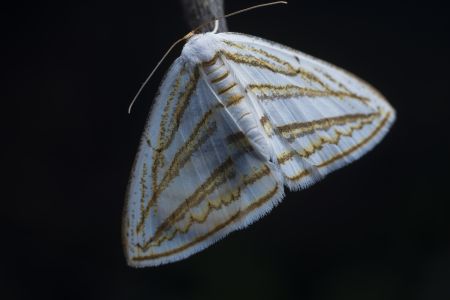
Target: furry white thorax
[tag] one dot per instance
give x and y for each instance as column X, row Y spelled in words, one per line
column 200, row 48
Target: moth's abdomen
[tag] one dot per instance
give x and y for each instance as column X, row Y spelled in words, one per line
column 233, row 97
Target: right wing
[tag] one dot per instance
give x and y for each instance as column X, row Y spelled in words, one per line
column 319, row 117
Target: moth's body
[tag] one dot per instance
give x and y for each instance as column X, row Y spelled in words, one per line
column 203, row 50
column 237, row 118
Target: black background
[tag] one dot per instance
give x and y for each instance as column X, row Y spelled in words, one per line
column 378, row 229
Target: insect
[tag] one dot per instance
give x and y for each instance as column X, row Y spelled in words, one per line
column 236, row 119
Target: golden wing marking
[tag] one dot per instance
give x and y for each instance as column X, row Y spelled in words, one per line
column 346, row 152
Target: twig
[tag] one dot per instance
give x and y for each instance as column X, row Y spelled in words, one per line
column 198, row 12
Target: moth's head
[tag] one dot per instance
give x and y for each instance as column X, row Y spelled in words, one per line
column 200, row 48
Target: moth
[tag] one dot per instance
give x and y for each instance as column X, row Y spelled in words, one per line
column 237, row 118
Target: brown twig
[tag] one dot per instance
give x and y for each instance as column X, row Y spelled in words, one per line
column 198, row 12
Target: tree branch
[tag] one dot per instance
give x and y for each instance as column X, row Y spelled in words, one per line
column 198, row 12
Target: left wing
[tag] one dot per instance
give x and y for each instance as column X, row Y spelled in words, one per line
column 195, row 178
column 318, row 117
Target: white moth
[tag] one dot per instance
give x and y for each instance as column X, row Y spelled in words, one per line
column 236, row 119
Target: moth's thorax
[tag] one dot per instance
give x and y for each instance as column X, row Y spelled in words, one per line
column 200, row 48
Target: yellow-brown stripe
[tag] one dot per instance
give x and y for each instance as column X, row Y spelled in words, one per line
column 214, row 204
column 299, row 129
column 239, row 214
column 272, row 92
column 226, row 89
column 211, row 62
column 305, row 152
column 285, row 156
column 184, row 99
column 143, row 185
column 173, row 93
column 221, row 77
column 352, row 149
column 266, row 125
column 239, row 139
column 257, row 62
column 180, row 158
column 234, row 100
column 286, row 68
column 217, row 177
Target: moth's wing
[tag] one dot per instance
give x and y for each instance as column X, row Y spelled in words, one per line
column 193, row 182
column 319, row 117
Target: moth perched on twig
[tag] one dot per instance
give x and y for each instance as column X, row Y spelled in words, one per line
column 236, row 119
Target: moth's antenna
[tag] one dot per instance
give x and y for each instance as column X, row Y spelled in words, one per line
column 190, row 34
column 238, row 12
column 187, row 36
column 253, row 7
